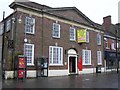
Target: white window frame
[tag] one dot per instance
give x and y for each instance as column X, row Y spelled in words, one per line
column 27, row 54
column 98, row 39
column 1, row 28
column 113, row 45
column 55, row 56
column 88, row 57
column 87, row 37
column 106, row 43
column 72, row 31
column 30, row 25
column 99, row 57
column 8, row 25
column 54, row 35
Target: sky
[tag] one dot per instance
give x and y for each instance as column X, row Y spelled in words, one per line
column 93, row 9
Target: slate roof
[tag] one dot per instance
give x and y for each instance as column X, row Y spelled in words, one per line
column 60, row 12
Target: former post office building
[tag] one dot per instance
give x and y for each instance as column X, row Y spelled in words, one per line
column 71, row 41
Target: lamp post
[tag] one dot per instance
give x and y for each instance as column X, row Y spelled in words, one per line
column 3, row 40
column 116, row 32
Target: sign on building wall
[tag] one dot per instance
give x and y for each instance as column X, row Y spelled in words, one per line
column 81, row 35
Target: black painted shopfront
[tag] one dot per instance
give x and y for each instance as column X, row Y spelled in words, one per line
column 112, row 59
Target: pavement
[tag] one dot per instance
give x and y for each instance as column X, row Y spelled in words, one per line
column 100, row 80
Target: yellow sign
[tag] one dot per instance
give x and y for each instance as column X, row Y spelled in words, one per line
column 81, row 35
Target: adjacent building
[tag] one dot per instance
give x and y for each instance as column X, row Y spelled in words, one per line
column 111, row 44
column 72, row 42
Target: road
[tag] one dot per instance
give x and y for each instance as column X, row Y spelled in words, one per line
column 101, row 80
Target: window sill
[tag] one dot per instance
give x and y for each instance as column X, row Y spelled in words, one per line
column 56, row 65
column 29, row 65
column 30, row 33
column 87, row 64
column 56, row 37
column 107, row 48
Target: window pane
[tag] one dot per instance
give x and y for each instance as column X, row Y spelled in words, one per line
column 30, row 25
column 86, row 55
column 72, row 34
column 29, row 49
column 56, row 30
column 55, row 55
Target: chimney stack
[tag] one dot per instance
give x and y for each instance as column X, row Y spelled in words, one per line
column 107, row 22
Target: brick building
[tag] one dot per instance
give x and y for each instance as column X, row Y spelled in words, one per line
column 111, row 37
column 63, row 35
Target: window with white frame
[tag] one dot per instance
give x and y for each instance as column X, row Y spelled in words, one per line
column 8, row 25
column 29, row 53
column 55, row 55
column 56, row 30
column 72, row 34
column 87, row 36
column 113, row 45
column 106, row 43
column 99, row 57
column 98, row 39
column 1, row 28
column 86, row 56
column 30, row 25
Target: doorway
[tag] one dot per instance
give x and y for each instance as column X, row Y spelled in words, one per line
column 72, row 65
column 72, row 62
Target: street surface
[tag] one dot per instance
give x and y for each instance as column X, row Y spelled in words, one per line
column 100, row 80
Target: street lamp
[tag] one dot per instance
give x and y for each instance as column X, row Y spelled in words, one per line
column 116, row 31
column 3, row 40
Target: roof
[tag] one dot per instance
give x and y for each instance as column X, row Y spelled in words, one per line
column 63, row 12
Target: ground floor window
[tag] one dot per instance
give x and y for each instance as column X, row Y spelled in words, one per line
column 55, row 55
column 99, row 57
column 86, row 55
column 29, row 53
column 111, row 64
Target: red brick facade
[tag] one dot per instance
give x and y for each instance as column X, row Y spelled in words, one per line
column 42, row 38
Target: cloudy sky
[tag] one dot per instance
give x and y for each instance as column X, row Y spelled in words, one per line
column 94, row 9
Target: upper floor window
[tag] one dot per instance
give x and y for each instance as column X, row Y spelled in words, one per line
column 98, row 39
column 29, row 52
column 72, row 34
column 106, row 43
column 87, row 36
column 1, row 28
column 86, row 55
column 8, row 25
column 56, row 30
column 113, row 45
column 30, row 25
column 55, row 55
column 99, row 57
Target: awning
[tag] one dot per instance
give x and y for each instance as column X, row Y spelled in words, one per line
column 109, row 55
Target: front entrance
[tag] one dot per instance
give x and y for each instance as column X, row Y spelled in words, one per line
column 72, row 65
column 72, row 62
